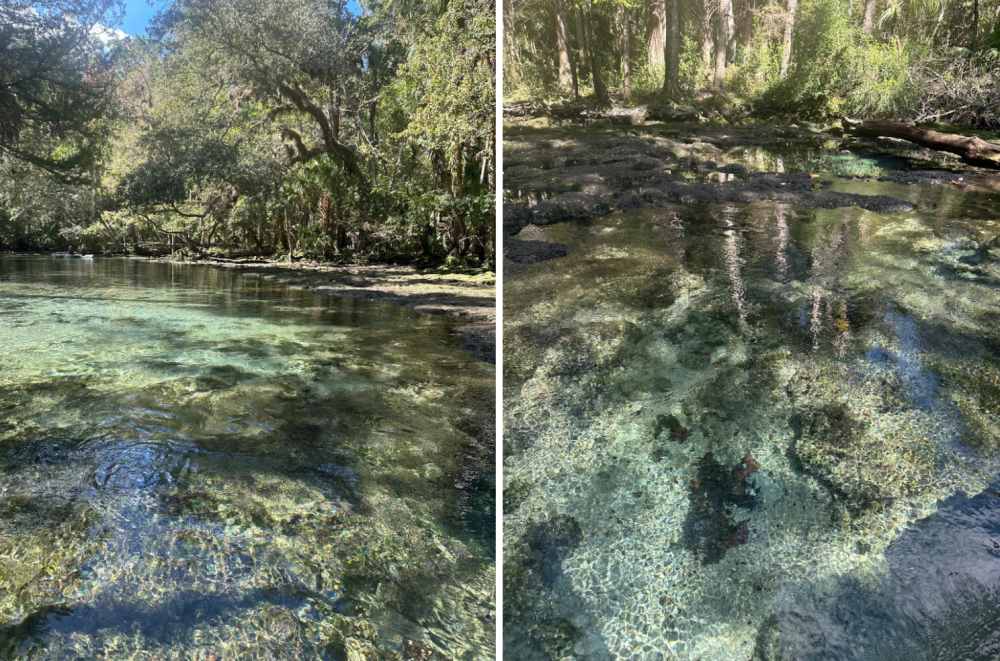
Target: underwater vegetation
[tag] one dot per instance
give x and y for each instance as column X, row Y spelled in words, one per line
column 748, row 408
column 202, row 466
column 710, row 529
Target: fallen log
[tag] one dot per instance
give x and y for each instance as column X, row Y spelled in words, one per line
column 971, row 149
column 676, row 114
column 626, row 116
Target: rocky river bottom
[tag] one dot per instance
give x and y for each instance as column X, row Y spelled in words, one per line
column 752, row 395
column 200, row 465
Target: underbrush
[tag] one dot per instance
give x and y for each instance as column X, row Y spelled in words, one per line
column 835, row 70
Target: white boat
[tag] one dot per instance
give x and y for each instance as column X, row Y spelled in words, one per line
column 66, row 255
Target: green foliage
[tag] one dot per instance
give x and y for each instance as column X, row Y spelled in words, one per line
column 289, row 127
column 450, row 77
column 924, row 60
column 836, row 70
column 54, row 82
column 692, row 74
column 758, row 67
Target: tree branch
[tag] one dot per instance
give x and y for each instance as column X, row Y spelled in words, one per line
column 305, row 103
column 297, row 151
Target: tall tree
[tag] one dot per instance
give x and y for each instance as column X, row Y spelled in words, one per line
column 786, row 42
column 600, row 91
column 562, row 45
column 656, row 33
column 624, row 31
column 671, row 80
column 295, row 50
column 583, row 59
column 722, row 42
column 55, row 81
column 975, row 24
column 705, row 35
column 869, row 22
column 731, row 35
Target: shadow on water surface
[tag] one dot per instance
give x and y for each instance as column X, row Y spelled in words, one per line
column 937, row 601
column 165, row 622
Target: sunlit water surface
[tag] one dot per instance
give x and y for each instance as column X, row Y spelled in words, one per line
column 854, row 355
column 197, row 464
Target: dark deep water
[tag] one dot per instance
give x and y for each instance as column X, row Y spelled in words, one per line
column 749, row 413
column 194, row 461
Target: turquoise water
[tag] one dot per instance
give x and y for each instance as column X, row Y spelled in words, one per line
column 199, row 464
column 757, row 431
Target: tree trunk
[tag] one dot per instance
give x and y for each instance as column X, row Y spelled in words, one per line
column 576, row 81
column 562, row 46
column 656, row 34
column 325, row 217
column 288, row 232
column 972, row 150
column 583, row 59
column 626, row 68
column 511, row 43
column 672, row 55
column 600, row 91
column 869, row 24
column 341, row 237
column 975, row 24
column 744, row 26
column 279, row 239
column 335, row 116
column 304, row 102
column 786, row 42
column 722, row 41
column 458, row 180
column 731, row 35
column 940, row 18
column 705, row 35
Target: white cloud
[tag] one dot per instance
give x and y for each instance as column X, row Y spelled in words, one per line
column 107, row 35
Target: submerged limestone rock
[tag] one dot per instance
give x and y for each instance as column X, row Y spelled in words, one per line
column 547, row 543
column 533, row 573
column 710, row 528
column 826, row 444
column 530, row 252
column 670, row 423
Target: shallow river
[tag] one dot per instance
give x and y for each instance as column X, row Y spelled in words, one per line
column 749, row 429
column 197, row 464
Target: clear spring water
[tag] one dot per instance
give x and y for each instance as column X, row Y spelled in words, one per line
column 198, row 464
column 855, row 355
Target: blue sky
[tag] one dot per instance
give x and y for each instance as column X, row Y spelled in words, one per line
column 137, row 15
column 139, row 12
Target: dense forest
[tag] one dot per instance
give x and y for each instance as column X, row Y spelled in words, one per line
column 299, row 128
column 923, row 60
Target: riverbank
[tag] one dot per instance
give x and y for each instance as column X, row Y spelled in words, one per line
column 467, row 295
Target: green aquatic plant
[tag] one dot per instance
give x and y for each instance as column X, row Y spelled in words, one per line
column 191, row 471
column 841, row 347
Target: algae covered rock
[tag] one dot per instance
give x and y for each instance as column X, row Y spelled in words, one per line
column 547, row 544
column 710, row 528
column 828, row 447
column 544, row 617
